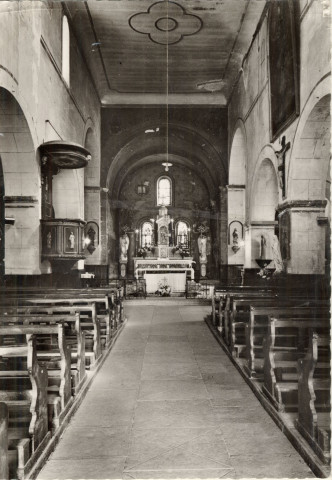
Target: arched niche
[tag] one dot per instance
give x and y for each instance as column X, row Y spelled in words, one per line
column 92, row 170
column 265, row 193
column 236, row 204
column 22, row 184
column 91, row 186
column 263, row 206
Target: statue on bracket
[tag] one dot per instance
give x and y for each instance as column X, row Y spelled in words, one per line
column 202, row 240
column 124, row 245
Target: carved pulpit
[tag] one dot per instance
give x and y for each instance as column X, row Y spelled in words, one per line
column 163, row 221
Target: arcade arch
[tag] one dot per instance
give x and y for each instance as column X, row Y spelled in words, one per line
column 22, row 184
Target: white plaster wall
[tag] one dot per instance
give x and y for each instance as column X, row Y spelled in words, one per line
column 250, row 103
column 32, row 73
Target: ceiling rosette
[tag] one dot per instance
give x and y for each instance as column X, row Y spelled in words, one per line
column 166, row 23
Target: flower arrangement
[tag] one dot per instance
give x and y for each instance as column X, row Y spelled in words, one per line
column 144, row 251
column 182, row 250
column 164, row 290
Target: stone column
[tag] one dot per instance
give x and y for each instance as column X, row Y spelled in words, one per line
column 302, row 236
column 131, row 254
column 223, row 224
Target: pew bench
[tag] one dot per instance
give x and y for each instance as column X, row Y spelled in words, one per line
column 106, row 311
column 257, row 327
column 280, row 365
column 54, row 355
column 24, row 393
column 75, row 338
column 314, row 396
column 90, row 324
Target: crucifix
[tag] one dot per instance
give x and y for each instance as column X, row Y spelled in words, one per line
column 281, row 156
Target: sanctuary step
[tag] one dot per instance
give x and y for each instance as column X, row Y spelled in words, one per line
column 160, row 301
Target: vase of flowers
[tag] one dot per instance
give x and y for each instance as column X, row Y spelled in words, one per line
column 164, row 290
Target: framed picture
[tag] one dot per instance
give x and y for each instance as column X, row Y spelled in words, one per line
column 283, row 64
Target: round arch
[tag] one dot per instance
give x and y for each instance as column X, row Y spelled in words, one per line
column 310, row 155
column 175, row 139
column 21, row 173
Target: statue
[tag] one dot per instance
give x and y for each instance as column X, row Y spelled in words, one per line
column 278, row 263
column 124, row 245
column 71, row 240
column 235, row 236
column 49, row 240
column 202, row 248
column 263, row 247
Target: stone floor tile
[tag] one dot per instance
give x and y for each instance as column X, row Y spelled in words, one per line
column 172, row 389
column 170, row 371
column 180, row 413
column 84, row 468
column 156, row 441
column 203, row 473
column 271, row 466
column 94, row 442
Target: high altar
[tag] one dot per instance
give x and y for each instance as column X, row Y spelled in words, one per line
column 163, row 267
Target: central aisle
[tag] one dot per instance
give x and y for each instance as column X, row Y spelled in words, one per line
column 168, row 403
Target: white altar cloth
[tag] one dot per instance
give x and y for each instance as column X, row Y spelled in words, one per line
column 177, row 281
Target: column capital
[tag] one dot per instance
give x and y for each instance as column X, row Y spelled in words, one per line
column 302, row 205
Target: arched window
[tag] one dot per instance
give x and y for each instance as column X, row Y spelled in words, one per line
column 65, row 50
column 164, row 191
column 146, row 234
column 182, row 230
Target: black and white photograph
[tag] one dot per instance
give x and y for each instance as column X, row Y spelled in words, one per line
column 165, row 239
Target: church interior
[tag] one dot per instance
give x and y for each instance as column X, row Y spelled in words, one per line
column 165, row 239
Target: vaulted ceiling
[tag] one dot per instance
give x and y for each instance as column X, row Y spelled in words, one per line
column 188, row 51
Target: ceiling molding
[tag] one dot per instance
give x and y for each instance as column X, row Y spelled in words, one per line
column 206, row 99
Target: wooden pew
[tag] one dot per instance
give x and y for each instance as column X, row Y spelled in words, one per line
column 236, row 316
column 314, row 396
column 25, row 395
column 105, row 311
column 280, row 365
column 89, row 323
column 57, row 359
column 222, row 304
column 4, row 473
column 257, row 327
column 75, row 338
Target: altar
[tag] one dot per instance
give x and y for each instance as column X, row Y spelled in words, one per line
column 174, row 272
column 163, row 266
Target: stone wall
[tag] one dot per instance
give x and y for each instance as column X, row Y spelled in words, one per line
column 47, row 109
column 250, row 107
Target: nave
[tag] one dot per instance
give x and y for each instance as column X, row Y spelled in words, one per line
column 169, row 403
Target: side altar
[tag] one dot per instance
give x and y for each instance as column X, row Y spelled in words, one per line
column 164, row 268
